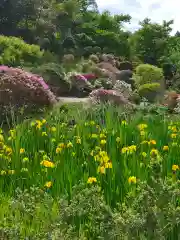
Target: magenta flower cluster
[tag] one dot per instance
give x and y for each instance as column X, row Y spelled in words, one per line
column 19, row 87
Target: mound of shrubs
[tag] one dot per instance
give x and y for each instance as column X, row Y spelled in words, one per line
column 15, row 52
column 20, row 90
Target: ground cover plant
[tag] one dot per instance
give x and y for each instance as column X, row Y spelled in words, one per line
column 80, row 175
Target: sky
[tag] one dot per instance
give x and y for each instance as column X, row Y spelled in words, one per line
column 156, row 10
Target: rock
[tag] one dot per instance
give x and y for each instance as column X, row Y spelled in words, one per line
column 125, row 75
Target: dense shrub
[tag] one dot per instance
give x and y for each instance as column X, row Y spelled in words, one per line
column 87, row 51
column 123, row 88
column 168, row 70
column 113, row 96
column 125, row 66
column 96, row 70
column 55, row 77
column 15, row 52
column 104, row 83
column 149, row 91
column 68, row 58
column 154, row 212
column 96, row 49
column 146, row 73
column 135, row 98
column 79, row 84
column 87, row 65
column 94, row 58
column 20, row 89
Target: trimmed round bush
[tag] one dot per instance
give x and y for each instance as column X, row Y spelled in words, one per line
column 146, row 73
column 149, row 91
column 23, row 90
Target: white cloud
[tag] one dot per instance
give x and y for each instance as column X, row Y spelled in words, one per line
column 156, row 10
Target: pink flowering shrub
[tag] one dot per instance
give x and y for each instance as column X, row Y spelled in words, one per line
column 89, row 76
column 78, row 81
column 103, row 95
column 20, row 89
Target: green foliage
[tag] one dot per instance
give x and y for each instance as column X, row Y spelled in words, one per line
column 168, row 70
column 153, row 211
column 149, row 87
column 54, row 75
column 149, row 90
column 103, row 83
column 97, row 49
column 146, row 73
column 150, row 41
column 15, row 52
column 115, row 43
column 63, row 26
column 125, row 65
column 94, row 58
column 87, row 214
column 172, row 55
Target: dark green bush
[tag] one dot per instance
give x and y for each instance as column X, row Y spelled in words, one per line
column 125, row 66
column 97, row 49
column 87, row 51
column 168, row 70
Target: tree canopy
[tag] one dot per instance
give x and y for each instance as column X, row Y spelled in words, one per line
column 77, row 25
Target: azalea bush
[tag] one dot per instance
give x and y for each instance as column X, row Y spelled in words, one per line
column 22, row 91
column 103, row 96
column 79, row 81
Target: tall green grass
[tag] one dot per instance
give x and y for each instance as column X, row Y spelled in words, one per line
column 76, row 163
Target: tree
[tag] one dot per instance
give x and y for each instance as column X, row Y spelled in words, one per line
column 13, row 12
column 150, row 41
